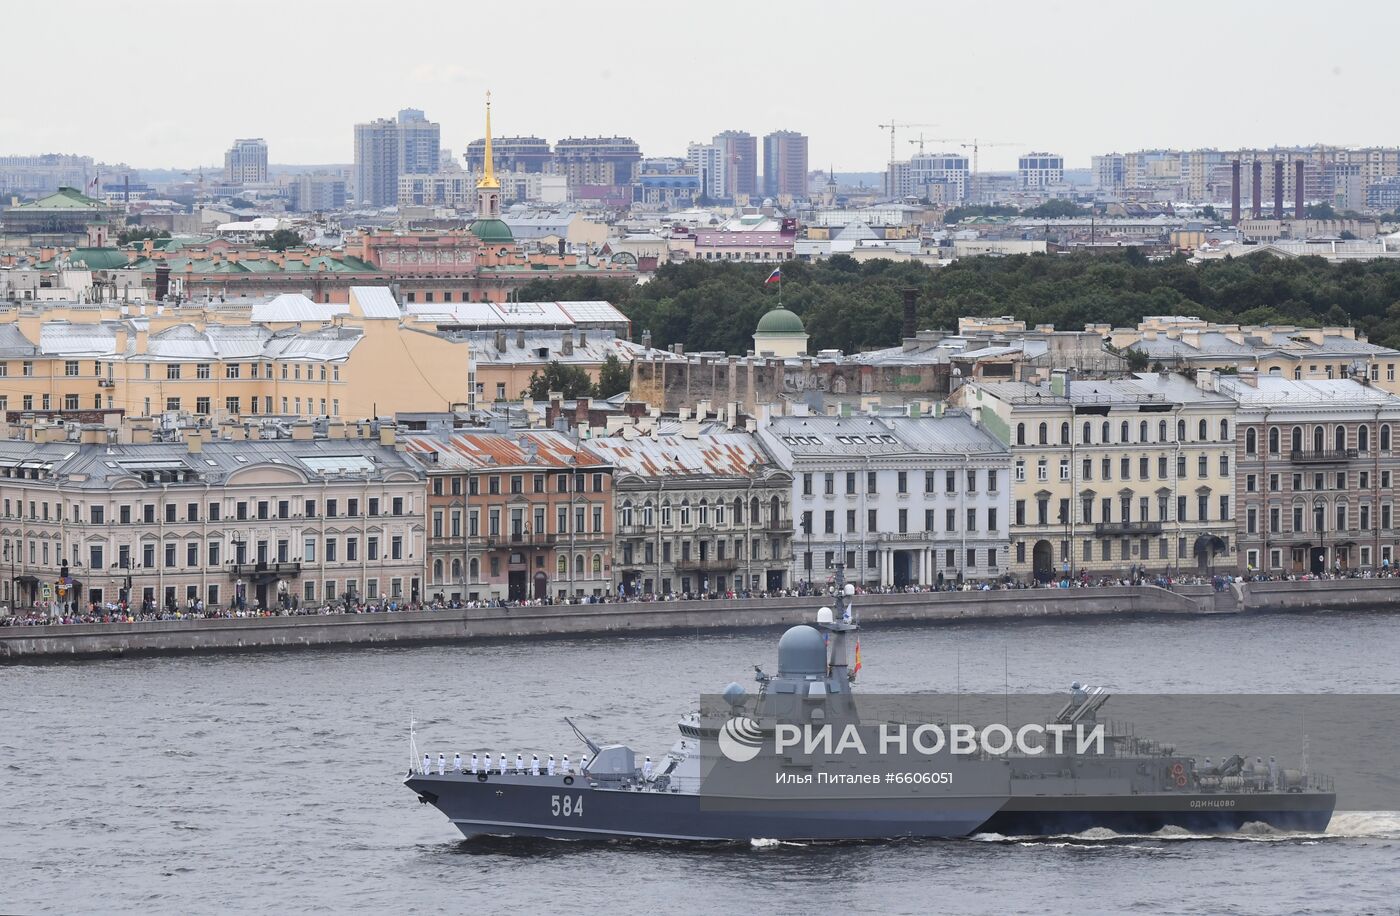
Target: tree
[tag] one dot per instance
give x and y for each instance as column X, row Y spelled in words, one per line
column 139, row 234
column 1209, row 212
column 614, row 377
column 281, row 240
column 1055, row 209
column 571, row 380
column 1320, row 211
column 958, row 214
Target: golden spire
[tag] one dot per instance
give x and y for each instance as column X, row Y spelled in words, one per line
column 488, row 174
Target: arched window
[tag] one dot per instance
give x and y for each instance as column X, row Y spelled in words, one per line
column 474, row 566
column 1107, row 432
column 703, row 513
column 457, row 569
column 1123, row 432
column 1224, row 430
column 738, row 510
column 1297, row 443
column 647, row 514
column 1340, row 438
column 597, row 564
column 627, row 514
column 561, row 566
column 1251, row 441
column 437, row 570
column 1273, row 440
column 1064, row 434
column 685, row 512
column 1363, row 438
column 1161, row 430
column 719, row 512
column 775, row 513
column 754, row 517
column 1202, row 433
column 1088, row 432
column 1180, row 430
column 1142, row 431
column 1020, row 434
column 1385, row 437
column 1319, row 439
column 665, row 515
column 578, row 565
column 1044, row 434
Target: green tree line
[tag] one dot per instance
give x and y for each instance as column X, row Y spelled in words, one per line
column 851, row 306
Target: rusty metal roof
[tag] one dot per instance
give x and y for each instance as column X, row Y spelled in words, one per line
column 725, row 454
column 490, row 450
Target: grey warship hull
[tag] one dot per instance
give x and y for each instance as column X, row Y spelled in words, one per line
column 530, row 806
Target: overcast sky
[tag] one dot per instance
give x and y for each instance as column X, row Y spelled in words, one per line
column 161, row 83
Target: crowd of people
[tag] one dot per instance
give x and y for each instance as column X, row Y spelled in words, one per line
column 121, row 612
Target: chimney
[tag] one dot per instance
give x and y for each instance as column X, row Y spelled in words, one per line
column 567, row 347
column 162, row 281
column 1298, row 183
column 194, row 441
column 646, row 339
column 911, row 327
column 301, row 431
column 583, row 338
column 520, row 338
column 500, row 341
column 1206, row 380
column 386, row 434
column 1235, row 192
column 1257, row 188
column 1278, row 189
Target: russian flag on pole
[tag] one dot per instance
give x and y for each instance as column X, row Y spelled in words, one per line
column 775, row 277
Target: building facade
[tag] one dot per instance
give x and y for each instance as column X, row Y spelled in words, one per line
column 739, row 151
column 1039, row 170
column 1316, row 476
column 699, row 513
column 1110, row 478
column 257, row 517
column 897, row 500
column 515, row 514
column 785, row 165
column 246, row 162
column 386, row 148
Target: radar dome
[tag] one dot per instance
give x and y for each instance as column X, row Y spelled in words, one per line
column 802, row 652
column 824, row 615
column 734, row 695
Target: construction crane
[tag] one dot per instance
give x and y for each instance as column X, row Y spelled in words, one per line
column 892, row 127
column 976, row 146
column 922, row 140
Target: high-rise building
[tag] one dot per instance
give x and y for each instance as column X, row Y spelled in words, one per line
column 785, row 164
column 44, row 174
column 316, row 193
column 384, row 149
column 707, row 161
column 246, row 162
column 598, row 160
column 1108, row 171
column 1037, row 170
column 512, row 154
column 740, row 151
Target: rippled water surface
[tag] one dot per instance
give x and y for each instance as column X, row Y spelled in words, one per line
column 270, row 782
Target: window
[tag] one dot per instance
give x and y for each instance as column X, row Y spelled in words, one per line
column 1042, row 470
column 1044, row 434
column 70, row 367
column 1020, row 429
column 1250, row 441
column 1020, row 470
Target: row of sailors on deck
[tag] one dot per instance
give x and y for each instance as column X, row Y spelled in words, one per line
column 483, row 765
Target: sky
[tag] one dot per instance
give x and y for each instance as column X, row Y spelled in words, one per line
column 170, row 84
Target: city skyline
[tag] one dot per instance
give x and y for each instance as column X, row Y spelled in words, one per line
column 1317, row 71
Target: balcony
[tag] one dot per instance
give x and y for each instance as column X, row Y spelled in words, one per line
column 106, row 383
column 1322, row 456
column 1127, row 529
column 709, row 564
column 266, row 570
column 522, row 539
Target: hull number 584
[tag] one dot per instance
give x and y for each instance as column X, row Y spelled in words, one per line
column 566, row 805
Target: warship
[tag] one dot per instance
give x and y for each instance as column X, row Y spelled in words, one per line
column 1127, row 784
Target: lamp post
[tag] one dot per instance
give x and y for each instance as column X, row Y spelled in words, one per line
column 10, row 559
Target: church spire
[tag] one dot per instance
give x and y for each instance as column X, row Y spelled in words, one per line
column 488, row 174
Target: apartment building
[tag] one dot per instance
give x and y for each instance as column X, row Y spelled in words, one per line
column 1112, row 477
column 515, row 514
column 898, row 500
column 1316, row 474
column 698, row 512
column 257, row 516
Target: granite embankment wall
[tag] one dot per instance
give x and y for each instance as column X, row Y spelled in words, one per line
column 161, row 637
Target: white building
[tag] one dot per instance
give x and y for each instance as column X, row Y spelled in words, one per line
column 1039, row 170
column 899, row 500
column 707, row 161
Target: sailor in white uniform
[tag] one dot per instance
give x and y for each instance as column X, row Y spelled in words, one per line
column 427, row 765
column 646, row 769
column 504, row 764
column 473, row 769
column 583, row 765
column 565, row 764
column 456, row 763
column 519, row 765
column 549, row 765
column 442, row 764
column 534, row 764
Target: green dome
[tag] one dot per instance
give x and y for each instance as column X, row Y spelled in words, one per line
column 492, row 231
column 780, row 323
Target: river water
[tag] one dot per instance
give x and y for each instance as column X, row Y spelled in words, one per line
column 271, row 782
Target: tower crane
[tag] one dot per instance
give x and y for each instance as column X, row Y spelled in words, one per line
column 976, row 146
column 922, row 140
column 892, row 127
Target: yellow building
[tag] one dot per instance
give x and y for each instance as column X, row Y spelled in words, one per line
column 286, row 356
column 1111, row 478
